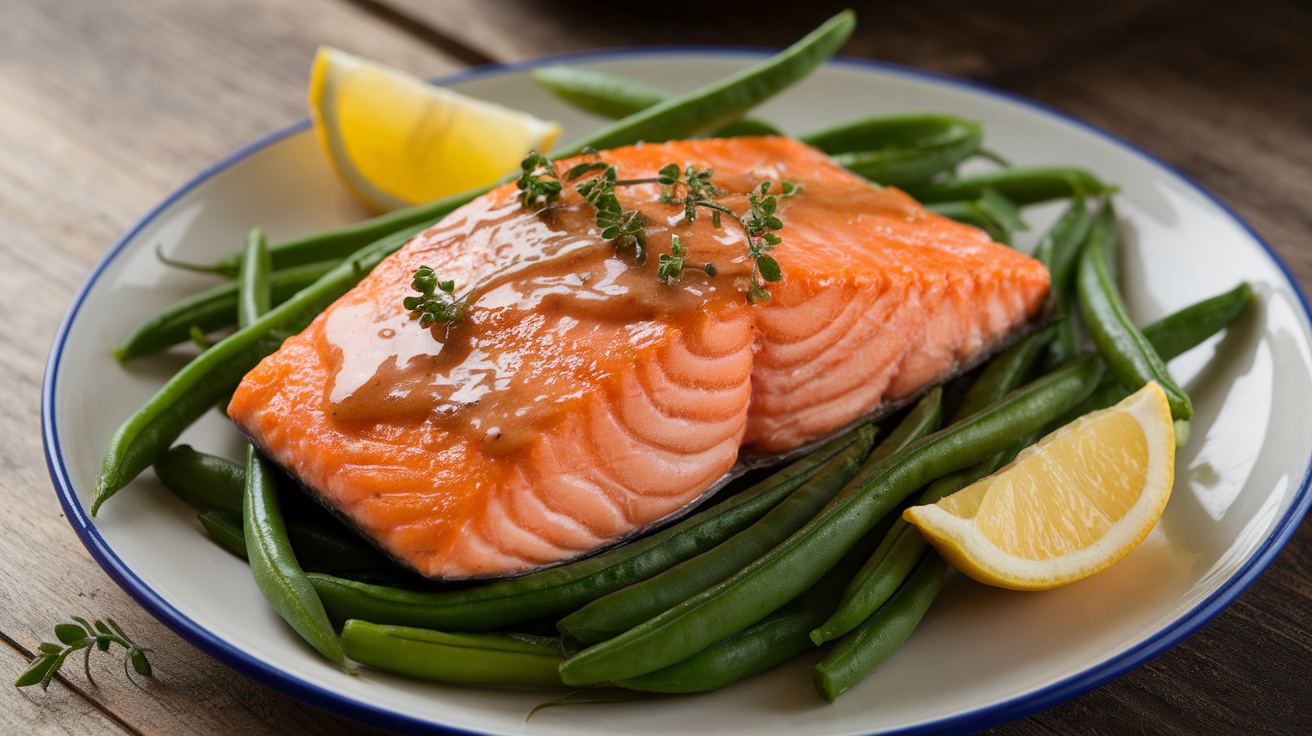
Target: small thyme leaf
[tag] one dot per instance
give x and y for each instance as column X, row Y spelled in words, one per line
column 140, row 664
column 70, row 633
column 436, row 301
column 586, row 167
column 670, row 268
column 35, row 672
column 82, row 635
column 690, row 186
column 538, row 182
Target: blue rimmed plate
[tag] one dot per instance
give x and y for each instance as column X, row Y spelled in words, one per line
column 981, row 656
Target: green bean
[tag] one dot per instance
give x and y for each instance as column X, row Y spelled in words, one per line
column 216, row 486
column 1173, row 335
column 1023, row 185
column 705, row 108
column 273, row 563
column 890, row 564
column 923, row 418
column 620, row 611
column 316, row 548
column 726, row 100
column 745, row 127
column 567, row 587
column 254, row 292
column 208, row 482
column 213, row 374
column 890, row 150
column 225, row 528
column 968, row 213
column 902, row 546
column 1181, row 331
column 213, row 483
column 612, row 96
column 992, row 212
column 858, row 654
column 210, row 310
column 772, row 641
column 345, row 242
column 274, row 566
column 800, row 561
column 898, row 552
column 503, row 660
column 1127, row 352
column 898, row 131
column 1059, row 250
column 1004, row 373
column 608, row 95
column 900, row 151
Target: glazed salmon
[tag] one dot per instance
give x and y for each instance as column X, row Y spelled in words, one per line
column 580, row 399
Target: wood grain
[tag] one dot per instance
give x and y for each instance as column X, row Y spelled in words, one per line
column 981, row 40
column 108, row 106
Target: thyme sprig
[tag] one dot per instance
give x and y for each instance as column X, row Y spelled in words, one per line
column 538, row 182
column 83, row 635
column 625, row 228
column 761, row 224
column 697, row 188
column 689, row 186
column 669, row 268
column 436, row 301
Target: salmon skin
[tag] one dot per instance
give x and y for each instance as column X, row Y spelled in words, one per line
column 580, row 400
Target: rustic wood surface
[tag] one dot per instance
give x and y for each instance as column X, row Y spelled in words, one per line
column 108, row 105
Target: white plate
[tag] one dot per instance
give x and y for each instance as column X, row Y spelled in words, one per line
column 981, row 656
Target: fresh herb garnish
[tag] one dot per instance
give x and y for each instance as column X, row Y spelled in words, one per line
column 697, row 188
column 761, row 223
column 83, row 635
column 436, row 301
column 539, row 185
column 669, row 268
column 625, row 228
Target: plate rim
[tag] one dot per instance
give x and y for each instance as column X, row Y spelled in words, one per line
column 1021, row 705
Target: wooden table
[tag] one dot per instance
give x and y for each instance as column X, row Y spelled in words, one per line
column 108, row 105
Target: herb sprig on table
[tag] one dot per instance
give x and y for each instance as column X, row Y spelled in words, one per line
column 83, row 635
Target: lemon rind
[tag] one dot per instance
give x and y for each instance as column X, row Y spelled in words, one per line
column 963, row 545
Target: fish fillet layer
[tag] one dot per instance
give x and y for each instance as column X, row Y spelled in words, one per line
column 580, row 399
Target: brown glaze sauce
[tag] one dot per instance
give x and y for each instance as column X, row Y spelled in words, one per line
column 553, row 294
column 550, row 298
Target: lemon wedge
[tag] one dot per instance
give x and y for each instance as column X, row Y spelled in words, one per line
column 1066, row 508
column 398, row 140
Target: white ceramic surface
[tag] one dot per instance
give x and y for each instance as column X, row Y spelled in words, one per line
column 981, row 656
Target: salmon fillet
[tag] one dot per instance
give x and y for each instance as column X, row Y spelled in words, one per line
column 581, row 400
